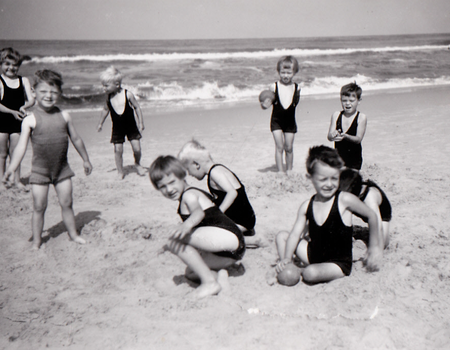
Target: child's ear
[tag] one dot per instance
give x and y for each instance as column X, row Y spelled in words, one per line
column 308, row 176
column 197, row 165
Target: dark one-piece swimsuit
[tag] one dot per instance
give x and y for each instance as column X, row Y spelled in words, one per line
column 284, row 119
column 332, row 241
column 215, row 218
column 350, row 152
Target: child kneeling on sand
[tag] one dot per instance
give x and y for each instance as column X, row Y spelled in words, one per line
column 322, row 234
column 207, row 240
column 373, row 196
column 49, row 129
column 226, row 188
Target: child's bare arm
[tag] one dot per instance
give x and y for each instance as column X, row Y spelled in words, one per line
column 103, row 115
column 78, row 143
column 27, row 126
column 137, row 110
column 360, row 131
column 220, row 178
column 190, row 199
column 296, row 234
column 375, row 250
column 333, row 134
column 29, row 96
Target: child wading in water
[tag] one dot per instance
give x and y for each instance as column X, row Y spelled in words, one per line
column 373, row 196
column 126, row 116
column 282, row 123
column 15, row 98
column 347, row 127
column 49, row 129
column 207, row 241
column 226, row 188
column 322, row 234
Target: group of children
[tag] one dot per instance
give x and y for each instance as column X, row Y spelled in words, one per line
column 216, row 227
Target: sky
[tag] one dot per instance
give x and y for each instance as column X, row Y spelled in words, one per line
column 213, row 19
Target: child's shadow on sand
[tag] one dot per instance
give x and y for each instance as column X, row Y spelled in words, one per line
column 234, row 270
column 129, row 169
column 272, row 169
column 81, row 219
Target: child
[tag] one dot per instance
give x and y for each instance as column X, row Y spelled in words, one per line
column 49, row 129
column 372, row 195
column 226, row 188
column 347, row 128
column 327, row 217
column 283, row 124
column 15, row 98
column 126, row 119
column 207, row 239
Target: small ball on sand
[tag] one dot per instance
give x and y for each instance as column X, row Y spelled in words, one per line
column 290, row 276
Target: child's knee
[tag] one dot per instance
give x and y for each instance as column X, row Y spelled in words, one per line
column 39, row 207
column 281, row 237
column 310, row 274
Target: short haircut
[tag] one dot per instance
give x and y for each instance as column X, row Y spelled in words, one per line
column 164, row 166
column 325, row 155
column 348, row 89
column 8, row 53
column 350, row 181
column 193, row 151
column 287, row 62
column 111, row 75
column 48, row 76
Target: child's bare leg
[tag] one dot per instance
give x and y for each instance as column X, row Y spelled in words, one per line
column 323, row 272
column 64, row 192
column 385, row 231
column 14, row 139
column 289, row 149
column 136, row 145
column 118, row 157
column 40, row 195
column 4, row 143
column 278, row 137
column 192, row 258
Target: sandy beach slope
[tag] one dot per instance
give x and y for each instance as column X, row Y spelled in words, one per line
column 120, row 292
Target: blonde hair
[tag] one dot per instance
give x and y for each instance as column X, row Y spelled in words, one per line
column 193, row 151
column 111, row 75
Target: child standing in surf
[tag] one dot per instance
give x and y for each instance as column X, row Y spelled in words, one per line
column 282, row 124
column 126, row 116
column 347, row 127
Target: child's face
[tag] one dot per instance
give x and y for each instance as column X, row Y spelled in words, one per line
column 350, row 103
column 171, row 187
column 10, row 68
column 109, row 87
column 46, row 95
column 325, row 180
column 286, row 75
column 195, row 170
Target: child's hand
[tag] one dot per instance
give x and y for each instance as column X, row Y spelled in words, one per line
column 99, row 127
column 141, row 127
column 179, row 232
column 372, row 260
column 282, row 264
column 18, row 115
column 6, row 177
column 23, row 111
column 87, row 167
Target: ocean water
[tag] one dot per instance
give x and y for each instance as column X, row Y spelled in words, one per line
column 166, row 74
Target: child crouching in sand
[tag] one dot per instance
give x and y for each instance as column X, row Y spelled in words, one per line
column 226, row 188
column 49, row 130
column 327, row 220
column 207, row 240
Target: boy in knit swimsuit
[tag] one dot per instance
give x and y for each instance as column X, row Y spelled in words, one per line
column 347, row 127
column 207, row 240
column 225, row 187
column 322, row 234
column 15, row 98
column 126, row 116
column 282, row 123
column 372, row 195
column 49, row 129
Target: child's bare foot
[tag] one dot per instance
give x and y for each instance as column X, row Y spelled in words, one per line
column 271, row 277
column 140, row 170
column 78, row 239
column 21, row 187
column 222, row 278
column 35, row 246
column 255, row 242
column 120, row 175
column 207, row 289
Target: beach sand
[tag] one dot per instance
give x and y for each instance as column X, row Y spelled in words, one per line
column 120, row 291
